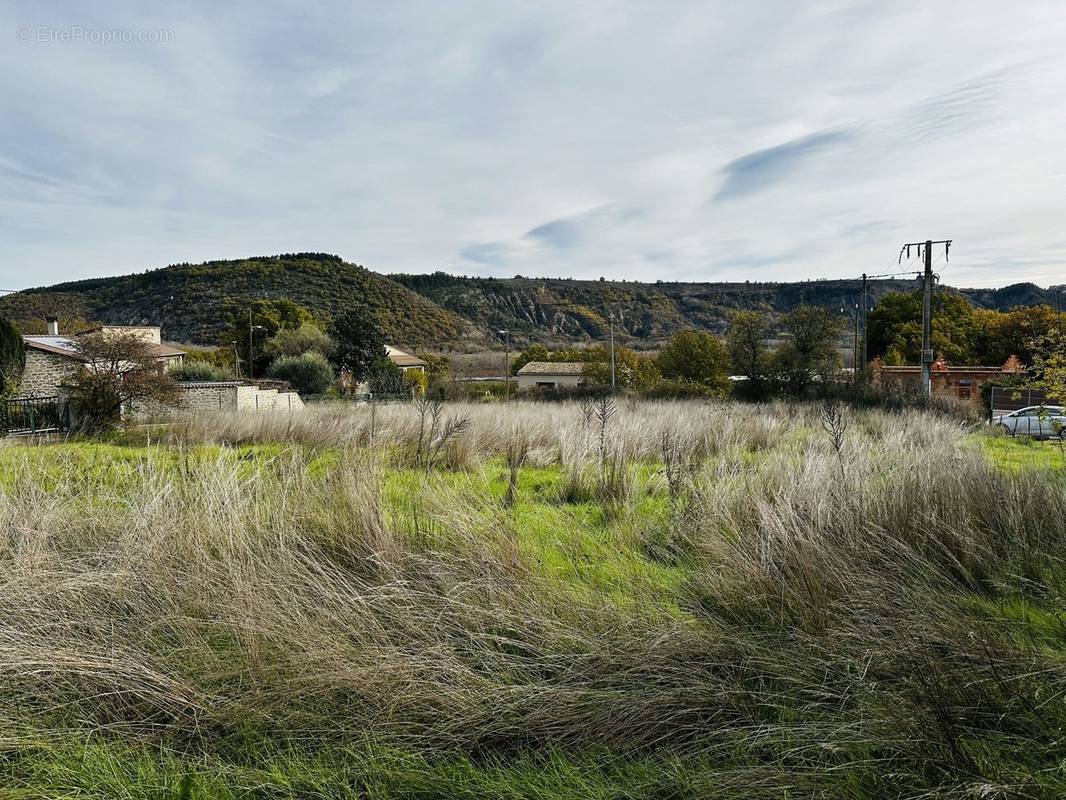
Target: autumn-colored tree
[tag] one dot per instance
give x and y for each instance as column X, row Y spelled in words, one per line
column 1048, row 366
column 632, row 370
column 535, row 352
column 118, row 371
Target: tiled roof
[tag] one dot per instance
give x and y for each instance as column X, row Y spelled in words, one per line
column 166, row 351
column 402, row 359
column 60, row 345
column 63, row 346
column 553, row 368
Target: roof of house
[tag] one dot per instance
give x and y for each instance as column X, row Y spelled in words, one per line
column 65, row 346
column 402, row 359
column 59, row 345
column 553, row 368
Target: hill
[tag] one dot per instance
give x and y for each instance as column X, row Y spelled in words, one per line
column 564, row 310
column 192, row 302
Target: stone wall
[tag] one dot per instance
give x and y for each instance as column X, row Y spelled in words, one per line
column 206, row 397
column 237, row 397
column 44, row 372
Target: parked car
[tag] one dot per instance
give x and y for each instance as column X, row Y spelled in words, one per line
column 1040, row 422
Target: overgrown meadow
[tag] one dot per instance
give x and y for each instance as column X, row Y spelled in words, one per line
column 614, row 599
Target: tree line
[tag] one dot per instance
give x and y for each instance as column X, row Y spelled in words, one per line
column 798, row 354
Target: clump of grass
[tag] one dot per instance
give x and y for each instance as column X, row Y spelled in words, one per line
column 268, row 610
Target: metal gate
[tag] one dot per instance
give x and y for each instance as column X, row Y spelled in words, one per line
column 29, row 415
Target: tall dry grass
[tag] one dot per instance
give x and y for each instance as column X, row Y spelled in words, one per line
column 862, row 626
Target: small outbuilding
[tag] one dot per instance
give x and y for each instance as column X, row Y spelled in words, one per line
column 405, row 361
column 551, row 374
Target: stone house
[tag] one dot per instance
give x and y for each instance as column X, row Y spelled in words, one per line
column 964, row 382
column 550, row 374
column 52, row 359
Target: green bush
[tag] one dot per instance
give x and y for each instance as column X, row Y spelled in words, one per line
column 12, row 356
column 200, row 371
column 307, row 374
column 307, row 338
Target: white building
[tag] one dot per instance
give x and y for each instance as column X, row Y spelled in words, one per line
column 551, row 374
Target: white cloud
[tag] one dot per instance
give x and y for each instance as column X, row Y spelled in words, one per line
column 694, row 140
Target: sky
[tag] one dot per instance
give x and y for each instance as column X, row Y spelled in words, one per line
column 639, row 140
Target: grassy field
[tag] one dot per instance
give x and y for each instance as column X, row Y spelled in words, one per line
column 637, row 600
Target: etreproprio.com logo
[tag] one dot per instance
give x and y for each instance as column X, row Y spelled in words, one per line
column 77, row 33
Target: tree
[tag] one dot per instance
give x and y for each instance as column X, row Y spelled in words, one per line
column 119, row 370
column 308, row 338
column 809, row 356
column 12, row 356
column 748, row 354
column 695, row 357
column 895, row 328
column 997, row 336
column 358, row 341
column 385, row 378
column 309, row 373
column 1049, row 364
column 535, row 352
column 632, row 371
column 438, row 370
column 267, row 318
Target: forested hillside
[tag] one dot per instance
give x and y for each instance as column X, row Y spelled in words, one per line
column 193, row 303
column 196, row 303
column 562, row 310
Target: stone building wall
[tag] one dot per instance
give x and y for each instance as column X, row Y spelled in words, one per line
column 44, row 372
column 237, row 397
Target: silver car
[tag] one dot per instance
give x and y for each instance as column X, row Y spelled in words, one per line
column 1040, row 422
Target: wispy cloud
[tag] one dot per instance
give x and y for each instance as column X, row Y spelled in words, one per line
column 561, row 234
column 761, row 169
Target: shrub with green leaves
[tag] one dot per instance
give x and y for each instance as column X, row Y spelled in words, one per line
column 309, row 373
column 200, row 371
column 308, row 338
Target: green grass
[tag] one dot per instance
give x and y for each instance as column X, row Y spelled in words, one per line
column 760, row 688
column 1020, row 453
column 578, row 547
column 113, row 465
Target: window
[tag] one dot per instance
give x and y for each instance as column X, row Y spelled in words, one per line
column 964, row 389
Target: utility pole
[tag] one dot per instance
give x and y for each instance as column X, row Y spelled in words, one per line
column 865, row 305
column 927, row 320
column 926, row 248
column 610, row 316
column 506, row 364
column 855, row 347
column 251, row 369
column 251, row 358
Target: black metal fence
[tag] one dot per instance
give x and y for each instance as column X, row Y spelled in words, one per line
column 1011, row 398
column 34, row 415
